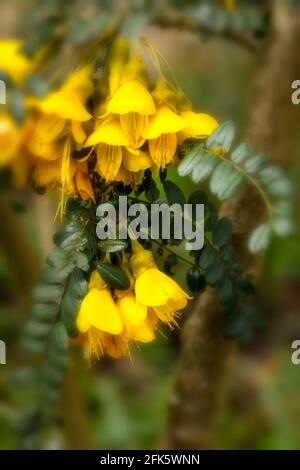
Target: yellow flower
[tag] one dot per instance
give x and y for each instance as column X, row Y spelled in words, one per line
column 68, row 102
column 162, row 135
column 113, row 150
column 132, row 101
column 110, row 140
column 48, row 174
column 82, row 182
column 63, row 111
column 12, row 61
column 10, row 136
column 199, row 126
column 155, row 289
column 138, row 325
column 98, row 316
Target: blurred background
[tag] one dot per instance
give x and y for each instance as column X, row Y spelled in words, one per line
column 114, row 404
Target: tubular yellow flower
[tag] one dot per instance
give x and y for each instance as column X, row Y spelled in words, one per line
column 137, row 325
column 136, row 160
column 132, row 101
column 113, row 150
column 199, row 126
column 110, row 140
column 62, row 113
column 161, row 133
column 98, row 315
column 48, row 174
column 82, row 182
column 12, row 61
column 155, row 289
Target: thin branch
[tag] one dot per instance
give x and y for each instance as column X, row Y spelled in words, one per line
column 247, row 41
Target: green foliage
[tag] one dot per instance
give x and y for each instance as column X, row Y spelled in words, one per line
column 229, row 170
column 112, row 246
column 114, row 276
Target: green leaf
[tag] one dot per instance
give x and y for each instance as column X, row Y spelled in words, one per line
column 27, row 376
column 260, row 238
column 81, row 261
column 241, row 154
column 215, row 272
column 33, row 345
column 226, row 290
column 112, row 246
column 59, row 339
column 113, row 276
column 47, row 293
column 205, row 166
column 36, row 329
column 280, row 188
column 170, row 262
column 173, row 193
column 255, row 164
column 222, row 137
column 197, row 197
column 208, row 257
column 51, row 276
column 226, row 181
column 76, row 288
column 282, row 226
column 36, row 86
column 189, row 162
column 44, row 312
column 223, row 232
column 195, row 279
column 17, row 105
column 152, row 192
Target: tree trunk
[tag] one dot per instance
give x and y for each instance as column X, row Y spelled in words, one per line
column 205, row 354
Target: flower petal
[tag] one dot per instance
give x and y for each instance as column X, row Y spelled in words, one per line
column 108, row 132
column 136, row 162
column 99, row 310
column 163, row 122
column 132, row 97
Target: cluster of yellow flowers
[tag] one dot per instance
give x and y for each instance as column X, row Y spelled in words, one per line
column 109, row 320
column 110, row 128
column 116, row 128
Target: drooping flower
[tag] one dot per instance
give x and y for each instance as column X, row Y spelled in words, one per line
column 199, row 126
column 162, row 135
column 131, row 99
column 13, row 61
column 58, row 132
column 154, row 288
column 99, row 318
column 138, row 322
column 47, row 174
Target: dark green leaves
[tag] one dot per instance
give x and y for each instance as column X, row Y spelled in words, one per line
column 114, row 276
column 173, row 193
column 195, row 279
column 74, row 241
column 55, row 364
column 75, row 290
